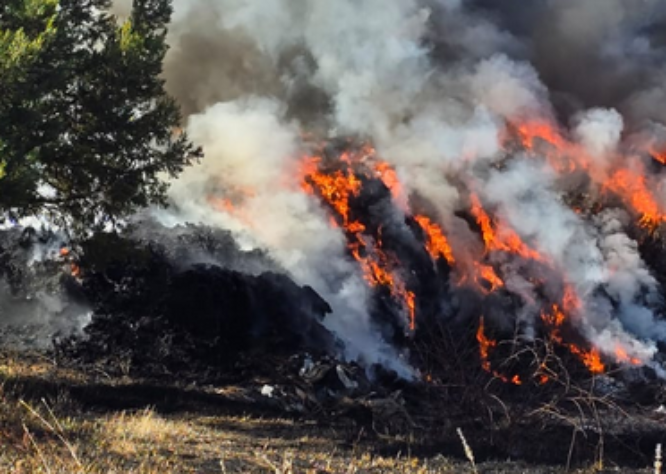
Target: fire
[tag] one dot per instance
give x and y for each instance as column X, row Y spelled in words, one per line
column 410, row 300
column 75, row 270
column 222, row 204
column 338, row 188
column 629, row 183
column 632, row 187
column 488, row 274
column 562, row 155
column 500, row 238
column 485, row 346
column 622, row 356
column 339, row 184
column 529, row 132
column 483, row 276
column 390, row 178
column 437, row 244
column 232, row 201
column 555, row 320
column 659, row 155
column 591, row 358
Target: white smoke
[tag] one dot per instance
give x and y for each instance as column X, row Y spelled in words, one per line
column 599, row 131
column 431, row 85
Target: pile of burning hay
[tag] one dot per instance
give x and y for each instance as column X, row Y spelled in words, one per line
column 187, row 298
column 187, row 303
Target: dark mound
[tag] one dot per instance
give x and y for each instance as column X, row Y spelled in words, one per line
column 166, row 304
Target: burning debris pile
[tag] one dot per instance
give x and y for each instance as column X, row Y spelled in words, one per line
column 415, row 193
column 503, row 278
column 398, row 181
column 417, row 178
column 405, row 178
column 525, row 308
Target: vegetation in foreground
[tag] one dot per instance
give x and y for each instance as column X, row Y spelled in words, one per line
column 56, row 420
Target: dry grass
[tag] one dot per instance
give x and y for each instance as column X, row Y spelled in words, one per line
column 52, row 433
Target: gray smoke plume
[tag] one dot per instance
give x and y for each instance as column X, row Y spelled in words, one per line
column 431, row 84
column 35, row 304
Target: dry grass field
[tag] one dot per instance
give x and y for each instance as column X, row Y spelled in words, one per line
column 55, row 420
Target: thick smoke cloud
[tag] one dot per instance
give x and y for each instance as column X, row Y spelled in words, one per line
column 431, row 83
column 592, row 53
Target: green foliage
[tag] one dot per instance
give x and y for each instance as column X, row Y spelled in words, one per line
column 86, row 129
column 25, row 27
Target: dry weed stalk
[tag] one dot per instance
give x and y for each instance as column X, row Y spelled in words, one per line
column 287, row 466
column 657, row 459
column 468, row 450
column 56, row 428
column 36, row 446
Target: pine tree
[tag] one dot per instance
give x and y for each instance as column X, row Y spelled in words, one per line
column 86, row 128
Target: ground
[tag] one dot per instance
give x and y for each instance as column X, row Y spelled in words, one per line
column 57, row 420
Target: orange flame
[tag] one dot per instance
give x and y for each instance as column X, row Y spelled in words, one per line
column 562, row 155
column 530, row 132
column 75, row 270
column 481, row 277
column 485, row 346
column 659, row 155
column 390, row 179
column 222, row 204
column 437, row 244
column 232, row 202
column 632, row 187
column 630, row 184
column 555, row 320
column 486, row 273
column 622, row 356
column 504, row 239
column 337, row 189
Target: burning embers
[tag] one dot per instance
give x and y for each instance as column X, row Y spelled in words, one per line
column 348, row 183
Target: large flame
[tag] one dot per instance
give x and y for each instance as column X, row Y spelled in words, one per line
column 339, row 182
column 626, row 178
column 631, row 185
column 337, row 188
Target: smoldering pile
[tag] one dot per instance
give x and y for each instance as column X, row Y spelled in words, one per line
column 188, row 301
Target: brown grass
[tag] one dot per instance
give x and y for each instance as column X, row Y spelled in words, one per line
column 49, row 430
